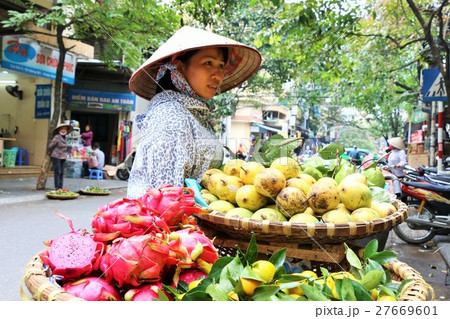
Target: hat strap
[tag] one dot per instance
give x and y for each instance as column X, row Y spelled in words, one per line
column 178, row 80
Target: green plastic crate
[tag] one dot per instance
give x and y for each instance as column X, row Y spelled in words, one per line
column 9, row 158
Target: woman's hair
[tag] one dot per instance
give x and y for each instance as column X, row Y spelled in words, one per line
column 166, row 82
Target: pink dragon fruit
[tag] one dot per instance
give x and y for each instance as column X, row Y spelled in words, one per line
column 135, row 260
column 145, row 293
column 92, row 289
column 193, row 248
column 171, row 203
column 125, row 218
column 188, row 276
column 74, row 254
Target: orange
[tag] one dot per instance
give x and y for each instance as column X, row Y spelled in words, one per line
column 387, row 298
column 233, row 296
column 264, row 269
column 249, row 285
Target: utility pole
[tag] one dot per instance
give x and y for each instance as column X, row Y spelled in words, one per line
column 432, row 159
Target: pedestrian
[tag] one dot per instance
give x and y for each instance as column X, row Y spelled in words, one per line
column 96, row 159
column 355, row 157
column 87, row 136
column 177, row 139
column 57, row 149
column 397, row 157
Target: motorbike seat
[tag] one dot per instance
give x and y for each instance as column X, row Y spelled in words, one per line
column 441, row 179
column 431, row 187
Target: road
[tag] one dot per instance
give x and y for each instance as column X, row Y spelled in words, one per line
column 25, row 226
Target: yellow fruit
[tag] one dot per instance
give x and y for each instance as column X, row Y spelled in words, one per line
column 208, row 174
column 309, row 211
column 179, row 297
column 212, row 182
column 221, row 206
column 291, row 201
column 374, row 293
column 387, row 298
column 354, row 194
column 227, row 187
column 309, row 273
column 240, row 212
column 233, row 167
column 342, row 274
column 299, row 183
column 287, row 165
column 209, row 198
column 383, row 209
column 232, row 296
column 303, row 218
column 247, row 197
column 364, row 214
column 294, row 296
column 341, row 206
column 323, row 197
column 264, row 269
column 357, row 177
column 194, row 284
column 269, row 182
column 266, row 214
column 249, row 171
column 249, row 285
column 336, row 216
column 332, row 285
column 327, row 180
column 308, row 178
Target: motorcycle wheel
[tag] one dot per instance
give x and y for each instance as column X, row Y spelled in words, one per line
column 122, row 174
column 415, row 236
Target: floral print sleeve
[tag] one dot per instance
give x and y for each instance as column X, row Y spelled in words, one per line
column 174, row 145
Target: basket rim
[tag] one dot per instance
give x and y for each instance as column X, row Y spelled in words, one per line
column 42, row 289
column 286, row 230
column 84, row 192
column 55, row 196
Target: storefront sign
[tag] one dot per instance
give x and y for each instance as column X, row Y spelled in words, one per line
column 102, row 100
column 28, row 56
column 43, row 101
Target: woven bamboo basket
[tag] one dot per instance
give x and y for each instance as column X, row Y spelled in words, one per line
column 55, row 196
column 244, row 228
column 42, row 289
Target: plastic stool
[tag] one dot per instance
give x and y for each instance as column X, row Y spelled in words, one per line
column 96, row 174
column 22, row 157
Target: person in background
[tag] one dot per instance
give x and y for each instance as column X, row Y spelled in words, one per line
column 96, row 159
column 355, row 157
column 87, row 136
column 57, row 149
column 177, row 139
column 397, row 157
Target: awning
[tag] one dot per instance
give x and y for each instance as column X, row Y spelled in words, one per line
column 267, row 128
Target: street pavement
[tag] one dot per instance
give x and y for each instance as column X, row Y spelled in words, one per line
column 28, row 219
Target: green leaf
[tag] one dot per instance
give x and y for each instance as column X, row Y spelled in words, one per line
column 264, row 292
column 252, row 251
column 313, row 293
column 257, row 155
column 247, row 272
column 162, row 296
column 217, row 292
column 278, row 258
column 324, row 271
column 352, row 258
column 370, row 249
column 218, row 266
column 384, row 257
column 347, row 292
column 361, row 293
column 372, row 279
column 403, row 284
column 196, row 296
column 332, row 151
column 279, row 272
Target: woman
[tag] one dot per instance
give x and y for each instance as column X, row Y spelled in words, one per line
column 87, row 136
column 57, row 150
column 177, row 140
column 397, row 157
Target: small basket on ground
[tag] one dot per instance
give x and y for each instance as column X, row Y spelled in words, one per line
column 42, row 289
column 87, row 191
column 51, row 195
column 276, row 231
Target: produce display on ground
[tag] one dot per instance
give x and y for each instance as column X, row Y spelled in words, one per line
column 95, row 190
column 62, row 193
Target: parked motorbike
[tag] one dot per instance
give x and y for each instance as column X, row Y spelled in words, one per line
column 428, row 210
column 124, row 168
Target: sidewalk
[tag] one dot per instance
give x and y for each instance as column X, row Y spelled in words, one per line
column 17, row 190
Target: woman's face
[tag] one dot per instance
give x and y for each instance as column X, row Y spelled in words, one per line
column 63, row 130
column 87, row 128
column 204, row 72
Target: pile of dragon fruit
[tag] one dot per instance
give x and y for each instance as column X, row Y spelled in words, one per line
column 136, row 246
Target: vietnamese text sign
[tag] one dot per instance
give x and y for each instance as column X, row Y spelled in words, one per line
column 27, row 56
column 43, row 101
column 102, row 100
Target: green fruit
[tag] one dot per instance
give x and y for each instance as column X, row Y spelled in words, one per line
column 375, row 177
column 241, row 212
column 221, row 206
column 344, row 171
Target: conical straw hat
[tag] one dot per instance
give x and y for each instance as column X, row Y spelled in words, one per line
column 142, row 82
column 69, row 128
column 397, row 142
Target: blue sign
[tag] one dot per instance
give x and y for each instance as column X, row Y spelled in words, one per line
column 433, row 87
column 43, row 102
column 102, row 100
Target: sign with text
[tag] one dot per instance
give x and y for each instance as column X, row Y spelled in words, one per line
column 28, row 56
column 43, row 101
column 102, row 100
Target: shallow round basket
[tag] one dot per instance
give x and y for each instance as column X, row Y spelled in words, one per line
column 244, row 228
column 41, row 289
column 55, row 196
column 85, row 192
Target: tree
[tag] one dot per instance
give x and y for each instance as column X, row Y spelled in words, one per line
column 107, row 21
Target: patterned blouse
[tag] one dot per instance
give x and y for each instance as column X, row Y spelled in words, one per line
column 176, row 143
column 57, row 147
